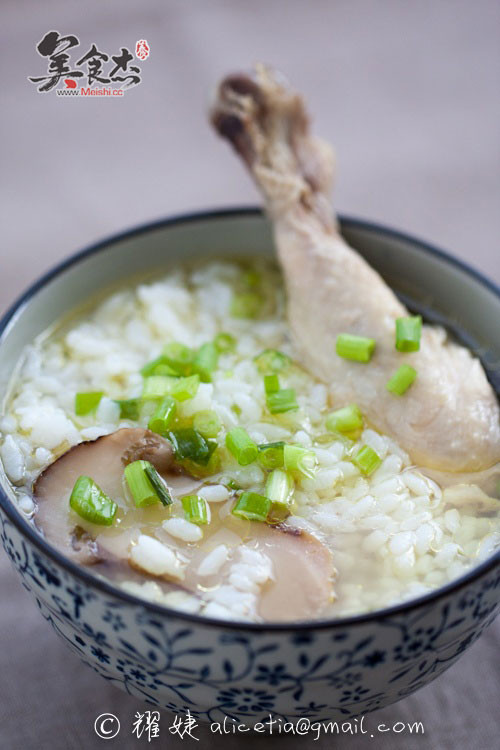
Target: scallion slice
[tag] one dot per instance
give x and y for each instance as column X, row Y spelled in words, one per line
column 129, row 408
column 87, row 402
column 271, row 360
column 91, row 503
column 252, row 507
column 195, row 509
column 179, row 357
column 401, row 380
column 271, row 383
column 163, row 417
column 241, row 445
column 408, row 333
column 367, row 460
column 282, row 401
column 271, row 455
column 157, row 386
column 296, row 458
column 230, row 483
column 190, row 445
column 225, row 342
column 158, row 484
column 207, row 423
column 357, row 348
column 345, row 420
column 278, row 513
column 185, row 388
column 246, row 305
column 158, row 366
column 205, row 361
column 251, row 277
column 279, row 487
column 165, row 370
column 143, row 490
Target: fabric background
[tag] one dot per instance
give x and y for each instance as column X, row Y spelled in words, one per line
column 407, row 92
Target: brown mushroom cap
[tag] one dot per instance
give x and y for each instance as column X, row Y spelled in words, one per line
column 302, row 579
column 302, row 585
column 103, row 460
column 303, row 573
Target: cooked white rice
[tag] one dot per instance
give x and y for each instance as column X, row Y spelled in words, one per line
column 394, row 535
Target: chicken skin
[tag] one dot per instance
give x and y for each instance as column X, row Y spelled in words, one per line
column 449, row 418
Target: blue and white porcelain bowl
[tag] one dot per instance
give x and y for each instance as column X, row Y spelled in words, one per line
column 333, row 669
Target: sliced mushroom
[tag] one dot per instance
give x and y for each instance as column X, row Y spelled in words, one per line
column 148, row 446
column 301, row 584
column 103, row 460
column 303, row 573
column 81, row 541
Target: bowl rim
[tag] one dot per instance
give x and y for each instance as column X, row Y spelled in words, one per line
column 28, row 530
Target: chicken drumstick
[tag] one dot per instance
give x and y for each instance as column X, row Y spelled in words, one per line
column 449, row 419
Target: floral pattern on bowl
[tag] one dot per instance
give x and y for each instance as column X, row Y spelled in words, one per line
column 332, row 670
column 180, row 662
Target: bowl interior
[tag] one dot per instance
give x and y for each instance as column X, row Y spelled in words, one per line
column 429, row 281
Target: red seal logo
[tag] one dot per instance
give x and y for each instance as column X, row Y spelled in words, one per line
column 142, row 49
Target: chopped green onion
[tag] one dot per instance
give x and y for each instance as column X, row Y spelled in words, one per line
column 179, row 357
column 367, row 460
column 207, row 423
column 225, row 342
column 158, row 366
column 91, row 503
column 348, row 419
column 158, row 484
column 241, row 446
column 87, row 402
column 158, row 386
column 185, row 388
column 358, row 348
column 271, row 384
column 129, row 408
column 251, row 277
column 246, row 305
column 401, row 380
column 195, row 509
column 408, row 332
column 232, row 484
column 189, row 444
column 282, row 401
column 139, row 483
column 163, row 416
column 252, row 507
column 278, row 513
column 300, row 459
column 165, row 370
column 205, row 361
column 271, row 455
column 208, row 468
column 271, row 360
column 279, row 487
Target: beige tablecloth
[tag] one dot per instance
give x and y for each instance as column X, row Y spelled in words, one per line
column 408, row 92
